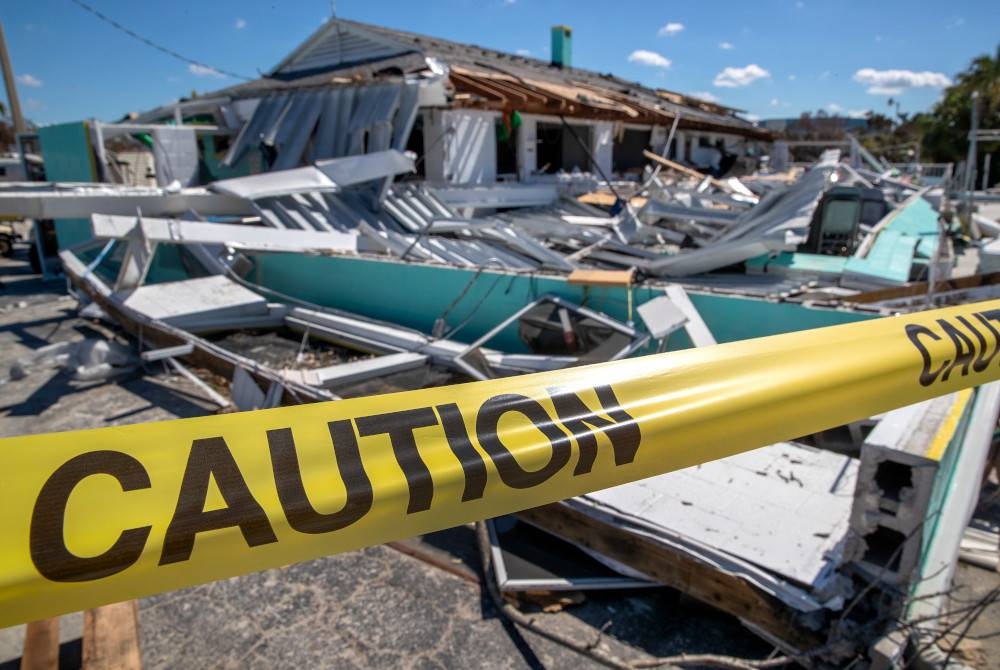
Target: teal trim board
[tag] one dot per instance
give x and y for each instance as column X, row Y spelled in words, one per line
column 919, row 220
column 475, row 300
column 889, row 261
column 67, row 154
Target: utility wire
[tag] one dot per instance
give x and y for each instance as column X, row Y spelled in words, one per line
column 158, row 47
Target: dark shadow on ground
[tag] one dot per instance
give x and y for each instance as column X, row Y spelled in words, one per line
column 70, row 657
column 658, row 621
column 33, row 340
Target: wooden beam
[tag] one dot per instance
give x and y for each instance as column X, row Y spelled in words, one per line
column 41, row 645
column 677, row 570
column 920, row 288
column 677, row 167
column 667, row 163
column 111, row 637
column 603, row 199
column 477, row 87
column 602, row 277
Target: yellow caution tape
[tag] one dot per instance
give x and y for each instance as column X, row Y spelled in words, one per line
column 97, row 516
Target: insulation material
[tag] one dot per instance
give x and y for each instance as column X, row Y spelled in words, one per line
column 175, row 152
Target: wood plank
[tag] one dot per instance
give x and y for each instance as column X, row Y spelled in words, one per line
column 111, row 637
column 667, row 163
column 602, row 277
column 603, row 199
column 41, row 645
column 920, row 288
column 677, row 570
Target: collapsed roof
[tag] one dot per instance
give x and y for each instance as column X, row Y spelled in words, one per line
column 346, row 52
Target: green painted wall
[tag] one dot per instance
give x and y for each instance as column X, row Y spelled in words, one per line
column 415, row 295
column 67, row 154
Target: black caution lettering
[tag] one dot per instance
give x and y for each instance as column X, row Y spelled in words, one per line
column 399, row 426
column 301, row 515
column 210, row 458
column 510, row 471
column 965, row 351
column 982, row 360
column 620, row 428
column 458, row 439
column 914, row 331
column 47, row 542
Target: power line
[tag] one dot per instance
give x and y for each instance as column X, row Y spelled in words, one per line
column 158, row 47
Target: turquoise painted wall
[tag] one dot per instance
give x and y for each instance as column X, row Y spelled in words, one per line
column 212, row 169
column 415, row 295
column 67, row 154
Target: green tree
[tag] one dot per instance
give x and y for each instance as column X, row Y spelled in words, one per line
column 946, row 127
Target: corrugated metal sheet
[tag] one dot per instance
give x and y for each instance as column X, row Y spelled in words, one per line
column 314, row 124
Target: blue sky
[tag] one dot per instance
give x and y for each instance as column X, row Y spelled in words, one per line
column 771, row 58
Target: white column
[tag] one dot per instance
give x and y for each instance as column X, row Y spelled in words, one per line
column 435, row 145
column 527, row 145
column 602, row 147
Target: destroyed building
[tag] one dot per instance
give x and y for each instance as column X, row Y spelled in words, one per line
column 490, row 115
column 314, row 264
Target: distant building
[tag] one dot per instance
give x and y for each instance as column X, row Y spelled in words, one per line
column 815, row 127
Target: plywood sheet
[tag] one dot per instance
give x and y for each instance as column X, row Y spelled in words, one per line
column 782, row 507
column 184, row 303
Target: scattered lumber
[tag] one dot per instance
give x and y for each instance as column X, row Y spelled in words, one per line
column 111, row 637
column 41, row 645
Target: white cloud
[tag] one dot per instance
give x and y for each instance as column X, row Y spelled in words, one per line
column 670, row 29
column 834, row 108
column 240, row 24
column 753, row 118
column 35, row 105
column 204, row 71
column 523, row 52
column 736, row 77
column 725, row 46
column 775, row 102
column 29, row 80
column 705, row 95
column 650, row 58
column 791, row 77
column 894, row 82
column 858, row 113
column 956, row 23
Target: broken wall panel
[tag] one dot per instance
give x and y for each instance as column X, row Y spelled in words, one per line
column 335, row 121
